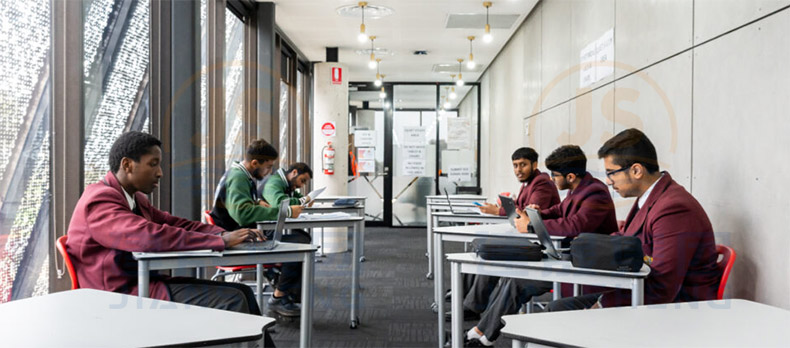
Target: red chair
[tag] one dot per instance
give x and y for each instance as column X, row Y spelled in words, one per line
column 223, row 271
column 61, row 245
column 727, row 259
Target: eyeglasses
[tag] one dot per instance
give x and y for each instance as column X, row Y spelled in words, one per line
column 609, row 174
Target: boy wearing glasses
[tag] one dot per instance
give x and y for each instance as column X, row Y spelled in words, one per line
column 676, row 234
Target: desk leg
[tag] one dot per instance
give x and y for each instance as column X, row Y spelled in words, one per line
column 355, row 264
column 306, row 323
column 362, row 240
column 142, row 278
column 438, row 281
column 576, row 290
column 259, row 286
column 457, row 305
column 557, row 291
column 517, row 344
column 429, row 241
column 637, row 292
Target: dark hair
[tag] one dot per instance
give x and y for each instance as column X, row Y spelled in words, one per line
column 260, row 150
column 628, row 147
column 526, row 153
column 567, row 159
column 132, row 145
column 301, row 168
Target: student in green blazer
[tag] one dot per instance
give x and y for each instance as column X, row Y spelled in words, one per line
column 283, row 184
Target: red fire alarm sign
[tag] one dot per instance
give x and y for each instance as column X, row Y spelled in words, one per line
column 337, row 76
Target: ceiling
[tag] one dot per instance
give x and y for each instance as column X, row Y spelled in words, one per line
column 313, row 25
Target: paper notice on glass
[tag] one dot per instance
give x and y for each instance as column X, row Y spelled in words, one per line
column 364, row 138
column 413, row 135
column 366, row 166
column 366, row 153
column 412, row 167
column 459, row 133
column 414, row 152
column 460, row 173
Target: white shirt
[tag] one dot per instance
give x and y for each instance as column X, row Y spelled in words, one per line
column 129, row 199
column 643, row 197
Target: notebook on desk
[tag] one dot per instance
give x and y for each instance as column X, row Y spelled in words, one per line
column 269, row 244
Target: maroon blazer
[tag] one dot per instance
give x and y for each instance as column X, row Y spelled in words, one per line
column 104, row 232
column 676, row 233
column 539, row 190
column 589, row 208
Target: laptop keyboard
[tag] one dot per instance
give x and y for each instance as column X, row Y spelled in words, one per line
column 264, row 245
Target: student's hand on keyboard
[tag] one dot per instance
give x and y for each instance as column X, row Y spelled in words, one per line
column 489, row 208
column 233, row 238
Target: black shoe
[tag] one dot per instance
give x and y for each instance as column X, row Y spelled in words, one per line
column 468, row 315
column 284, row 306
column 474, row 343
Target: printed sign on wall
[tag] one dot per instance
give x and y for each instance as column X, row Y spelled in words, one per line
column 328, row 129
column 337, row 76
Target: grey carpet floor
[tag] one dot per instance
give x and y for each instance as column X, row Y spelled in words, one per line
column 395, row 297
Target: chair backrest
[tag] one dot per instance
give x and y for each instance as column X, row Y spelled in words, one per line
column 725, row 266
column 61, row 245
column 207, row 216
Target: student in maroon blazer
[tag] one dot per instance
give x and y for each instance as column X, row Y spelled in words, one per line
column 113, row 218
column 536, row 187
column 675, row 232
column 588, row 207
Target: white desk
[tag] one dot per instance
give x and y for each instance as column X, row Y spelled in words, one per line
column 466, row 234
column 354, row 221
column 93, row 318
column 285, row 252
column 547, row 270
column 355, row 210
column 358, row 209
column 456, row 198
column 438, row 217
column 436, row 205
column 719, row 323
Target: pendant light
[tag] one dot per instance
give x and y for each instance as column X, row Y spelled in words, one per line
column 470, row 64
column 378, row 82
column 362, row 37
column 372, row 64
column 487, row 37
column 382, row 94
column 446, row 104
column 460, row 81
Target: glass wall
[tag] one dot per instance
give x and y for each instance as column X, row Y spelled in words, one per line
column 115, row 63
column 458, row 139
column 24, row 148
column 234, row 88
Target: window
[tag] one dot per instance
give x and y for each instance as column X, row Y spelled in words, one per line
column 285, row 115
column 234, row 88
column 24, row 148
column 116, row 56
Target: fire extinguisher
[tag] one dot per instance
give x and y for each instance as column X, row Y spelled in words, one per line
column 328, row 155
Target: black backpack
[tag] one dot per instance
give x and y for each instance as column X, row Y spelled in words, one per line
column 612, row 253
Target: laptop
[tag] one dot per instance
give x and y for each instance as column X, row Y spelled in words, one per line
column 467, row 212
column 510, row 209
column 543, row 235
column 271, row 243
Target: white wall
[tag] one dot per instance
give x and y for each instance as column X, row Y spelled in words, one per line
column 710, row 91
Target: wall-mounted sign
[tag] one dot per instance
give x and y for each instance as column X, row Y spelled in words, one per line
column 364, row 138
column 460, row 173
column 337, row 76
column 328, row 129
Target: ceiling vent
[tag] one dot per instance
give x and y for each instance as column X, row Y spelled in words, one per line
column 379, row 51
column 420, row 53
column 453, row 68
column 478, row 21
column 371, row 11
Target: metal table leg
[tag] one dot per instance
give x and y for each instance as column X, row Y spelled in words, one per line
column 355, row 265
column 457, row 306
column 438, row 282
column 306, row 321
column 142, row 278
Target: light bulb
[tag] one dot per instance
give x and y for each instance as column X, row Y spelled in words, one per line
column 488, row 38
column 377, row 83
column 471, row 64
column 382, row 94
column 459, row 82
column 453, row 95
column 446, row 105
column 362, row 37
column 372, row 64
column 386, row 105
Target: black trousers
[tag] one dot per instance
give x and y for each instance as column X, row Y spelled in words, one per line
column 290, row 280
column 234, row 297
column 507, row 298
column 574, row 303
column 477, row 291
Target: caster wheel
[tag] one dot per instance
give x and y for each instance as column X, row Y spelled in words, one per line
column 362, row 259
column 354, row 324
column 429, row 276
